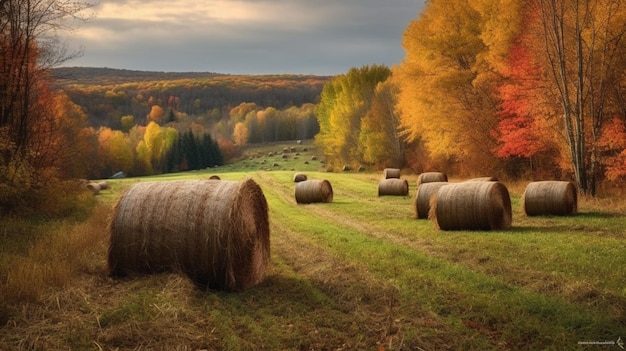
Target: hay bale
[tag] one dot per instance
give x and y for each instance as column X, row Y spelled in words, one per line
column 472, row 206
column 393, row 187
column 104, row 185
column 215, row 177
column 422, row 198
column 346, row 168
column 216, row 232
column 299, row 177
column 310, row 191
column 558, row 198
column 431, row 177
column 94, row 188
column 389, row 173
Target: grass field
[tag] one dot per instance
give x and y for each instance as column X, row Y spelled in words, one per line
column 360, row 273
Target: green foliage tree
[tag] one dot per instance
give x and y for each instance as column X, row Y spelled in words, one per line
column 343, row 103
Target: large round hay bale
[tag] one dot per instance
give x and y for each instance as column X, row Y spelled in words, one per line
column 422, row 198
column 430, row 177
column 389, row 173
column 472, row 206
column 310, row 191
column 216, row 232
column 104, row 185
column 299, row 177
column 393, row 187
column 94, row 188
column 558, row 198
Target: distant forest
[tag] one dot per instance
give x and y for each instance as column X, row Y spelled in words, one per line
column 106, row 95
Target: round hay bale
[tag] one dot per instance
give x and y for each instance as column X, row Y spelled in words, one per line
column 393, row 187
column 389, row 173
column 422, row 198
column 217, row 233
column 558, row 198
column 104, row 185
column 94, row 188
column 346, row 168
column 430, row 177
column 310, row 191
column 299, row 177
column 483, row 179
column 215, row 177
column 472, row 206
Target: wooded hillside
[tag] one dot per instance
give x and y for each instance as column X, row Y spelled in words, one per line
column 106, row 95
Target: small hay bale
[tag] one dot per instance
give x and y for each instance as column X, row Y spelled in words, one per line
column 215, row 177
column 310, row 191
column 299, row 177
column 393, row 187
column 472, row 206
column 104, row 185
column 313, row 158
column 346, row 168
column 389, row 173
column 558, row 198
column 422, row 198
column 216, row 232
column 94, row 188
column 430, row 177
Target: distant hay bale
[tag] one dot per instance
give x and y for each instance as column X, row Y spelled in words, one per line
column 558, row 198
column 431, row 177
column 215, row 177
column 393, row 187
column 391, row 173
column 346, row 168
column 94, row 188
column 422, row 198
column 310, row 191
column 313, row 158
column 472, row 206
column 104, row 185
column 483, row 179
column 216, row 232
column 299, row 177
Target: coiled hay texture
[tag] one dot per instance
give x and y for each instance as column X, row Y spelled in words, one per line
column 393, row 187
column 558, row 198
column 299, row 177
column 430, row 177
column 472, row 206
column 216, row 232
column 389, row 173
column 422, row 198
column 310, row 191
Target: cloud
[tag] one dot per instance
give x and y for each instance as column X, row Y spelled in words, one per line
column 245, row 36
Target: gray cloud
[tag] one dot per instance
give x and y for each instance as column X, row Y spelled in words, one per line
column 245, row 36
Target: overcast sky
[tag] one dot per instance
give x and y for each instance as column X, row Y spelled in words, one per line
column 323, row 37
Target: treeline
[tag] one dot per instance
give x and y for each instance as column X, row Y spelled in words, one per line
column 530, row 89
column 209, row 96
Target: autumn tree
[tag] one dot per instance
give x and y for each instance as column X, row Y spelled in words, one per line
column 344, row 101
column 241, row 134
column 28, row 49
column 448, row 98
column 582, row 46
column 379, row 138
column 157, row 114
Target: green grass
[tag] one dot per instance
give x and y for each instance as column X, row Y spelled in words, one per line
column 360, row 273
